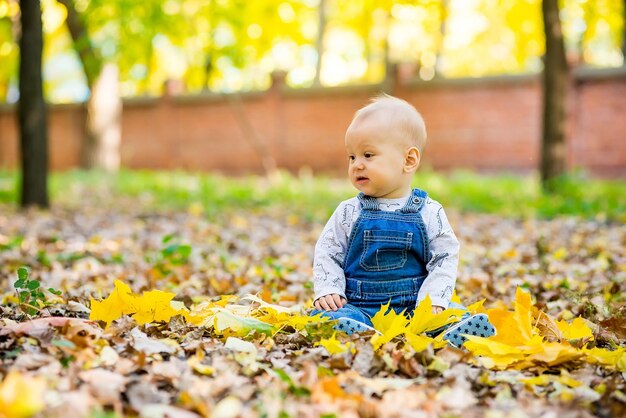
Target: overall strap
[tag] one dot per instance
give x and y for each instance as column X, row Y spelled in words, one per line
column 415, row 202
column 368, row 202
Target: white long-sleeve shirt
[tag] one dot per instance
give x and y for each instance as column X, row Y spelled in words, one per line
column 332, row 246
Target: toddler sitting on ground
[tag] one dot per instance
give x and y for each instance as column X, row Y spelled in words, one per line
column 390, row 244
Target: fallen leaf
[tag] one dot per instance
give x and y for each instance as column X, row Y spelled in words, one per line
column 333, row 346
column 104, row 385
column 21, row 396
column 575, row 330
column 150, row 346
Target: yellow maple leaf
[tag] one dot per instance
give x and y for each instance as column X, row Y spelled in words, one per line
column 477, row 307
column 151, row 306
column 504, row 321
column 279, row 319
column 576, row 330
column 518, row 344
column 154, row 306
column 553, row 354
column 489, row 347
column 389, row 324
column 423, row 319
column 334, row 346
column 285, row 319
column 193, row 319
column 502, row 355
column 523, row 313
column 455, row 298
column 513, row 327
column 620, row 364
column 298, row 322
column 615, row 358
column 120, row 302
column 421, row 342
column 21, row 396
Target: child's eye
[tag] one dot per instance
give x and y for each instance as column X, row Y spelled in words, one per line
column 368, row 155
column 351, row 157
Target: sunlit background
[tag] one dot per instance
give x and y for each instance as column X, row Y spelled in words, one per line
column 233, row 45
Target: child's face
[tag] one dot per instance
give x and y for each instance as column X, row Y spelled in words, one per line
column 376, row 159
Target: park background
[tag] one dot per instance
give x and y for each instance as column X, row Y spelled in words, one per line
column 195, row 151
column 237, row 87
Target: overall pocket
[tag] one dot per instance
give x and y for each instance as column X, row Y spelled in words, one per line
column 385, row 250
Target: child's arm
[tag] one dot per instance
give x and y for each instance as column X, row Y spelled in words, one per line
column 444, row 256
column 329, row 282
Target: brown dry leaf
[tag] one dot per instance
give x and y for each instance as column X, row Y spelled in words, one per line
column 547, row 327
column 616, row 325
column 104, row 385
column 77, row 403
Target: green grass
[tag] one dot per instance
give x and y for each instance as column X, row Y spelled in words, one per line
column 316, row 197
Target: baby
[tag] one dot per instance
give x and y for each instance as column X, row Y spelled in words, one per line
column 390, row 244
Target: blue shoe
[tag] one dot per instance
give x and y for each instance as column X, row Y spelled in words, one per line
column 478, row 325
column 351, row 326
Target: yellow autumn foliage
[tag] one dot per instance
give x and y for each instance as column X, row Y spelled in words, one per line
column 577, row 329
column 391, row 324
column 334, row 346
column 152, row 306
column 225, row 315
column 21, row 396
column 519, row 344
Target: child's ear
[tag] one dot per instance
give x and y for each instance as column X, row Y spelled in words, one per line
column 411, row 159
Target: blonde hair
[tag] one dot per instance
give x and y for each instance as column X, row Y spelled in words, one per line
column 403, row 117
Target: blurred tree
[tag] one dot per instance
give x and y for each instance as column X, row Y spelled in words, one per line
column 32, row 113
column 100, row 148
column 598, row 25
column 234, row 45
column 555, row 81
column 319, row 43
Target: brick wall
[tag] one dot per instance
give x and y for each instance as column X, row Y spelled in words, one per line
column 488, row 124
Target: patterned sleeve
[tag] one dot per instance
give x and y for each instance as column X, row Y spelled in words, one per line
column 443, row 261
column 330, row 252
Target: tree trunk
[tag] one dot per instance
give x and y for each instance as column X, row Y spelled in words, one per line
column 32, row 112
column 555, row 80
column 252, row 136
column 103, row 123
column 319, row 42
column 104, row 133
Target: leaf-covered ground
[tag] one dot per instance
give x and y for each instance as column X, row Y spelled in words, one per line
column 260, row 357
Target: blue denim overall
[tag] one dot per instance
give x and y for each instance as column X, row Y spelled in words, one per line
column 385, row 260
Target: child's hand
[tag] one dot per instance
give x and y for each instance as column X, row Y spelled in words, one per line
column 330, row 302
column 437, row 309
